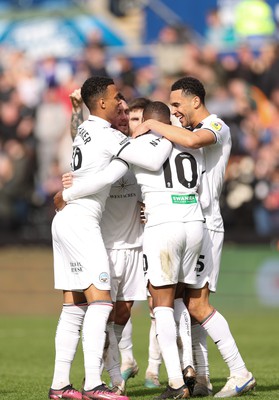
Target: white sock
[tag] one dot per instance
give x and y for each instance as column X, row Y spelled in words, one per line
column 166, row 335
column 66, row 342
column 219, row 331
column 200, row 352
column 112, row 356
column 184, row 339
column 118, row 330
column 154, row 352
column 93, row 341
column 126, row 345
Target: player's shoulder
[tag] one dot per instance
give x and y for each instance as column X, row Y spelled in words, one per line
column 119, row 136
column 219, row 128
column 215, row 123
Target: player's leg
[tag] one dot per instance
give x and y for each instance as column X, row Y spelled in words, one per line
column 187, row 275
column 216, row 325
column 94, row 328
column 123, row 329
column 184, row 339
column 131, row 288
column 154, row 353
column 163, row 298
column 115, row 326
column 111, row 351
column 203, row 386
column 66, row 342
column 162, row 275
column 95, row 263
column 72, row 314
column 218, row 329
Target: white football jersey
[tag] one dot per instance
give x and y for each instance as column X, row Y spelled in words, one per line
column 93, row 148
column 148, row 151
column 170, row 194
column 216, row 158
column 120, row 223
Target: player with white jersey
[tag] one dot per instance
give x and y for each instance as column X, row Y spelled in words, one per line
column 129, row 367
column 207, row 131
column 81, row 267
column 122, row 233
column 171, row 250
column 171, row 196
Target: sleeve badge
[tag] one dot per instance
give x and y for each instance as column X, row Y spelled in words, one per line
column 216, row 125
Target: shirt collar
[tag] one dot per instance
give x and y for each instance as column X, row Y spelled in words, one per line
column 99, row 120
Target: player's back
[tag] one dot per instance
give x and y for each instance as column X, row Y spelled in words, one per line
column 170, row 194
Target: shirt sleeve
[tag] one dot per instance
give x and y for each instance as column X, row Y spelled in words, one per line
column 96, row 182
column 148, row 151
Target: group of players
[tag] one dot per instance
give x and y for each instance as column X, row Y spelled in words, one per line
column 98, row 240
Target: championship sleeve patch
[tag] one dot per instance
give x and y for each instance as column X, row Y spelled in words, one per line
column 216, row 125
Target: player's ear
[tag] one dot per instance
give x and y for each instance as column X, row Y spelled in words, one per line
column 102, row 103
column 196, row 101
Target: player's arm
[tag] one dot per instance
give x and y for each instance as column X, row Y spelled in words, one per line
column 176, row 134
column 77, row 114
column 96, row 182
column 149, row 151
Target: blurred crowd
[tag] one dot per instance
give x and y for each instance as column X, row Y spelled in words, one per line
column 242, row 88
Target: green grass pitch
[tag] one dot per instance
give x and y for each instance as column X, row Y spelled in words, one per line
column 27, row 342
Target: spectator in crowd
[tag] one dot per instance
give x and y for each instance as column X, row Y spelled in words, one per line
column 23, row 82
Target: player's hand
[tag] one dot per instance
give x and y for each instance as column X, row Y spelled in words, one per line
column 67, row 180
column 143, row 219
column 59, row 202
column 141, row 129
column 76, row 99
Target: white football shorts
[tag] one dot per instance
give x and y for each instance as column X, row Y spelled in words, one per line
column 209, row 261
column 171, row 252
column 127, row 277
column 80, row 257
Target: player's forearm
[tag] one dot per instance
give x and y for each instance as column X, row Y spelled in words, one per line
column 96, row 182
column 183, row 137
column 76, row 120
column 149, row 154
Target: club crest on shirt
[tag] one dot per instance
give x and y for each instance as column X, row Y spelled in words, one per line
column 216, row 125
column 103, row 277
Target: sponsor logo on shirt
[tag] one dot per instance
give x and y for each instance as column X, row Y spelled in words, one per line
column 216, row 125
column 183, row 198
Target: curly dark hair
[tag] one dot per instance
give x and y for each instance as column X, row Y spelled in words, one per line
column 157, row 110
column 190, row 85
column 93, row 88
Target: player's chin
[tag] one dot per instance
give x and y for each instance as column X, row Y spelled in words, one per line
column 182, row 120
column 125, row 129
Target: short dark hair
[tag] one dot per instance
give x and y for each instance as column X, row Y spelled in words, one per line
column 138, row 103
column 190, row 85
column 93, row 88
column 157, row 110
